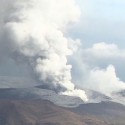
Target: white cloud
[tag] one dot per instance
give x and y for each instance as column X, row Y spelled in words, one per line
column 102, row 54
column 105, row 80
column 104, row 50
column 95, row 68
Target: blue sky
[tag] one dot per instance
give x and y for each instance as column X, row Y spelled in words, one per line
column 101, row 21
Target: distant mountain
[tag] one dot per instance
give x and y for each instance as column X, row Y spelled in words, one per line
column 41, row 112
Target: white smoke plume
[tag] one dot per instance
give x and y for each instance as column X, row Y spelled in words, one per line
column 105, row 80
column 34, row 31
column 97, row 68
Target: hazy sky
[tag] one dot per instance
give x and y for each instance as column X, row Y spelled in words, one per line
column 101, row 21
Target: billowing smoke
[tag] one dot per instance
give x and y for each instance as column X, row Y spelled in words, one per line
column 105, row 80
column 34, row 31
column 97, row 68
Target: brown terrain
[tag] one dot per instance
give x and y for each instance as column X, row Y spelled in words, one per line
column 111, row 112
column 41, row 112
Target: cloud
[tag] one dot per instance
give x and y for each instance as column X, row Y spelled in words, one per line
column 102, row 54
column 105, row 80
column 104, row 50
column 99, row 68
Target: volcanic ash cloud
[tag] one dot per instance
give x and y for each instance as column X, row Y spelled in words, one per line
column 33, row 31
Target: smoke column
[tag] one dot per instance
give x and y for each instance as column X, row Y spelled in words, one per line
column 33, row 31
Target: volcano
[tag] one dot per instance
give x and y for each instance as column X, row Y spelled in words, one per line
column 41, row 112
column 37, row 106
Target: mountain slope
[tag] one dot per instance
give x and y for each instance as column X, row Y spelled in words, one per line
column 34, row 111
column 114, row 113
column 45, row 94
column 40, row 112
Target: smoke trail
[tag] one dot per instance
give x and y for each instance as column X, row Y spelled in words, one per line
column 33, row 30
